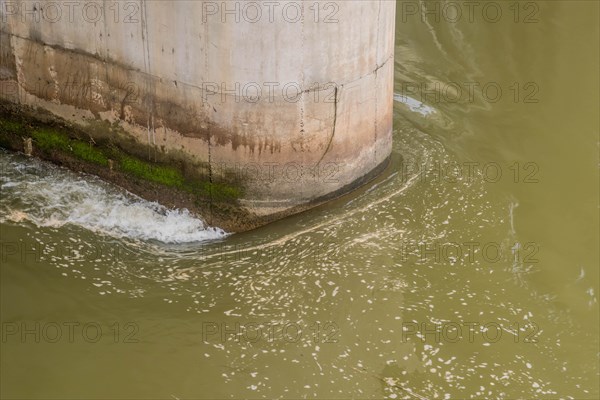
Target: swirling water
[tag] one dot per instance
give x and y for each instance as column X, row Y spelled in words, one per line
column 469, row 269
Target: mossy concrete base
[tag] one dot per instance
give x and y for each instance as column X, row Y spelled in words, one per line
column 168, row 181
column 57, row 141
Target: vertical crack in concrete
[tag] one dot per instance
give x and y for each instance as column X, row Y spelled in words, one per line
column 377, row 66
column 335, row 106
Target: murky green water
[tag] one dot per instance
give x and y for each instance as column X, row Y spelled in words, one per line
column 468, row 270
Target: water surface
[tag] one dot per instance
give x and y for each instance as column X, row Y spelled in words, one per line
column 469, row 269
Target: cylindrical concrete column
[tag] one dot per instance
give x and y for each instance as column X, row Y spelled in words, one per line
column 291, row 101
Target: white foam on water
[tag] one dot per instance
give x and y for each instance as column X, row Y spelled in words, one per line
column 414, row 104
column 54, row 197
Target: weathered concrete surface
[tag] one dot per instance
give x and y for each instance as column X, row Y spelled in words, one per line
column 292, row 108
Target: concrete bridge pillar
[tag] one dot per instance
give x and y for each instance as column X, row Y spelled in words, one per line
column 278, row 104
